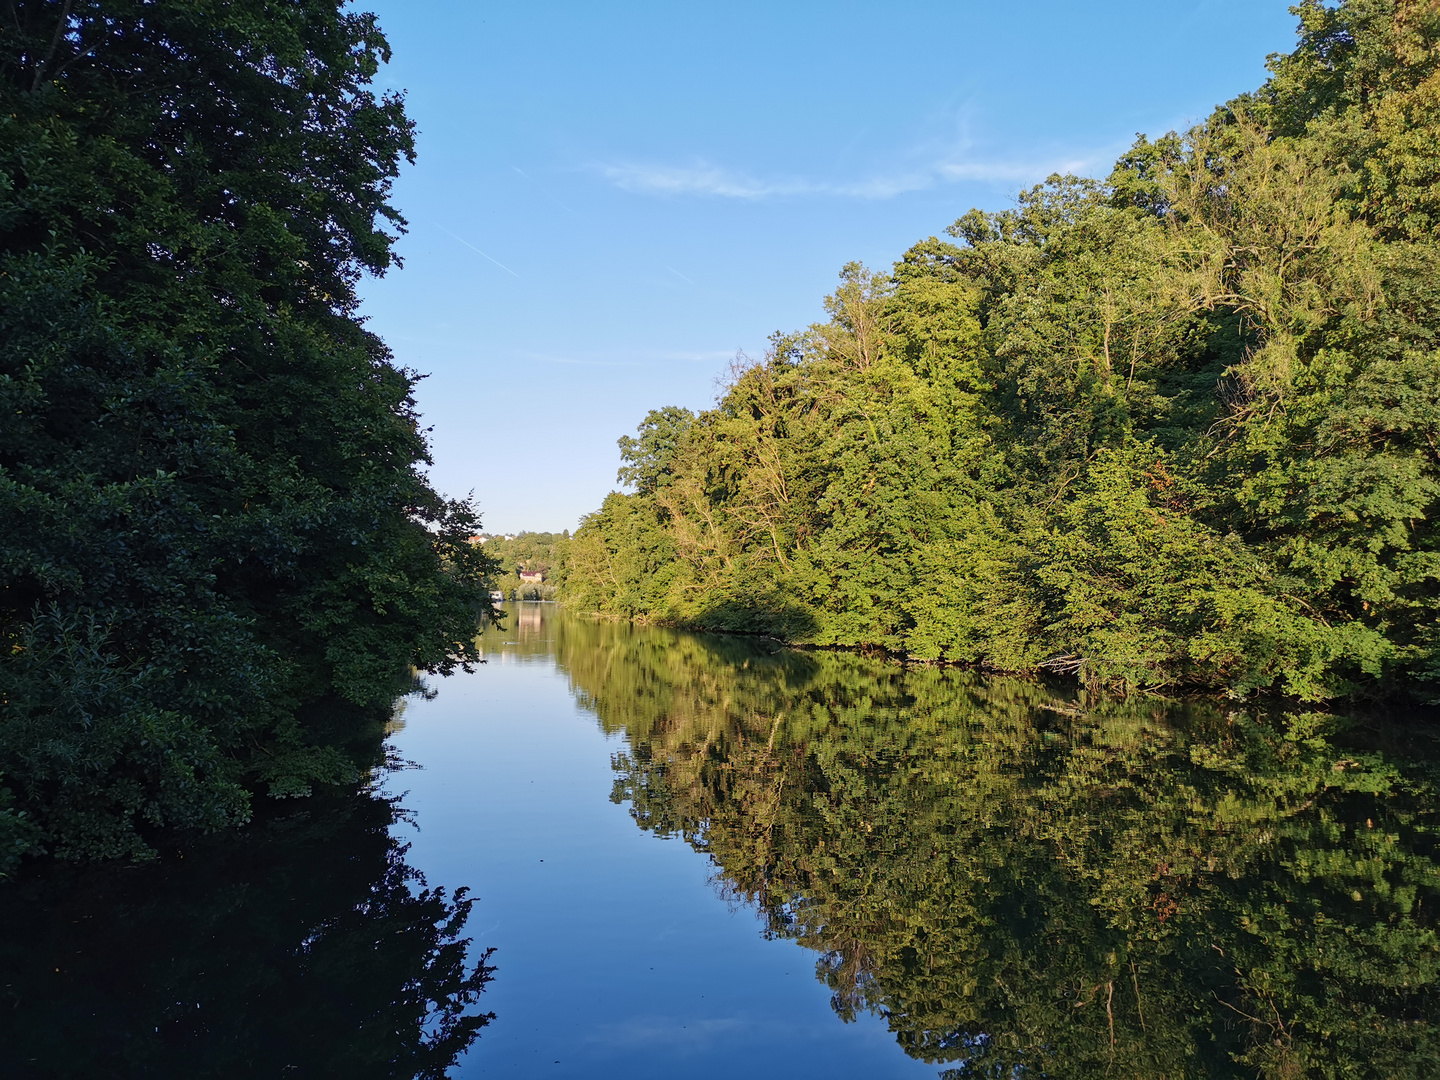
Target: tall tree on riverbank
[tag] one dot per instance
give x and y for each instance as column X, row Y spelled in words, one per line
column 220, row 555
column 1174, row 427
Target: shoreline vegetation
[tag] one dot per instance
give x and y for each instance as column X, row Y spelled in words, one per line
column 1174, row 429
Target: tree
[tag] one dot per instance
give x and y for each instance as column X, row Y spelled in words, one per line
column 647, row 459
column 211, row 467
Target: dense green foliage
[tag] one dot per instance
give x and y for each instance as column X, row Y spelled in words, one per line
column 216, row 529
column 1174, row 427
column 1026, row 884
column 306, row 946
column 533, row 551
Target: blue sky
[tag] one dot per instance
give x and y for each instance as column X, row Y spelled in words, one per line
column 611, row 198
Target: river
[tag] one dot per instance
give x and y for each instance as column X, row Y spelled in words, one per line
column 707, row 856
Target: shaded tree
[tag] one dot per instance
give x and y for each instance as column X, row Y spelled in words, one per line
column 211, row 472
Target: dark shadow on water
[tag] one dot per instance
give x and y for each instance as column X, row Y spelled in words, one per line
column 303, row 946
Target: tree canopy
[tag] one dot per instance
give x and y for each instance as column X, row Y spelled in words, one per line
column 217, row 530
column 534, row 552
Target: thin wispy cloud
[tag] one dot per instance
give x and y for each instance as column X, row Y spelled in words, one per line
column 946, row 150
column 701, row 178
column 696, row 179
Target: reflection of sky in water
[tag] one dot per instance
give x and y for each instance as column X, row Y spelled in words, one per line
column 615, row 956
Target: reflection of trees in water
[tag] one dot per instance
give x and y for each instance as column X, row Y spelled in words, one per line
column 307, row 946
column 524, row 631
column 1016, row 883
column 528, row 619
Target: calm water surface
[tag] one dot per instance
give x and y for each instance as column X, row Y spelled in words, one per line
column 703, row 856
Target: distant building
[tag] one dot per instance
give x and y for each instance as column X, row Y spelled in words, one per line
column 532, row 577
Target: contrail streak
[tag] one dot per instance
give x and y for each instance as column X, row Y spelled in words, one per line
column 477, row 251
column 681, row 276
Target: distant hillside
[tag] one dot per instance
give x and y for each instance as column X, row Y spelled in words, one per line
column 535, row 552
